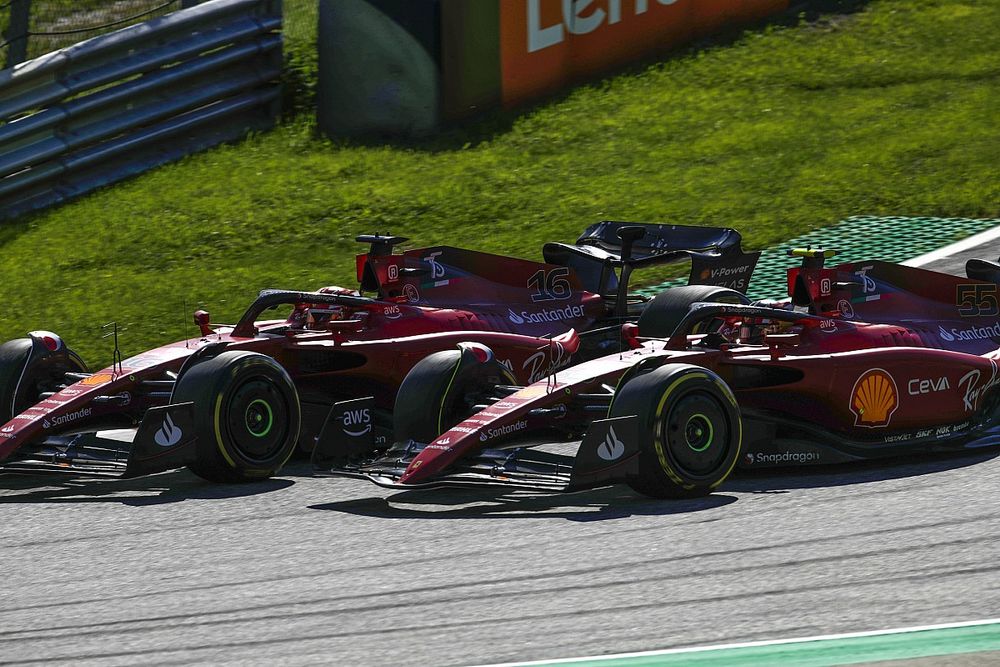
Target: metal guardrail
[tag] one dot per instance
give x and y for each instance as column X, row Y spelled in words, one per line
column 124, row 102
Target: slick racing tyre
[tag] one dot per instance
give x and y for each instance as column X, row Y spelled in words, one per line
column 22, row 380
column 662, row 315
column 441, row 390
column 247, row 416
column 689, row 430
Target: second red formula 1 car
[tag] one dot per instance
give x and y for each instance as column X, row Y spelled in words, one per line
column 234, row 402
column 864, row 360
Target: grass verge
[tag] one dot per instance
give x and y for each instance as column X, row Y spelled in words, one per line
column 888, row 111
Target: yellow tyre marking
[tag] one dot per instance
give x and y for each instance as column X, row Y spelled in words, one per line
column 218, row 434
column 444, row 394
column 658, row 440
column 739, row 432
column 657, row 432
column 295, row 440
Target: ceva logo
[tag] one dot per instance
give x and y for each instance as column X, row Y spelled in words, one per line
column 169, row 434
column 944, row 334
column 514, row 317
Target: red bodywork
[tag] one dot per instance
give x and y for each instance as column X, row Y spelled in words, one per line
column 340, row 351
column 867, row 359
column 338, row 345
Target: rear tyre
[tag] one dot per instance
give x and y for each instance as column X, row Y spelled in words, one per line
column 662, row 315
column 247, row 416
column 440, row 391
column 689, row 430
column 22, row 380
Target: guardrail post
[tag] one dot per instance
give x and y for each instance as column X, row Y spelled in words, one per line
column 17, row 32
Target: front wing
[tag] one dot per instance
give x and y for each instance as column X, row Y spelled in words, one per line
column 608, row 454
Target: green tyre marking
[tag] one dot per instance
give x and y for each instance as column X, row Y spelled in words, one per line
column 711, row 433
column 259, row 417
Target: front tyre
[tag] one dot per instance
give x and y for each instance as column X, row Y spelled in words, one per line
column 689, row 429
column 441, row 390
column 247, row 416
column 25, row 373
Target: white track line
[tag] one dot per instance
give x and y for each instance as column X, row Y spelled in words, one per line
column 770, row 642
column 957, row 247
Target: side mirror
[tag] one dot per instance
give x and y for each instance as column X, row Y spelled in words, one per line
column 202, row 319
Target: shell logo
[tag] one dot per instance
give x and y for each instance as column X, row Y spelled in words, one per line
column 874, row 399
column 100, row 378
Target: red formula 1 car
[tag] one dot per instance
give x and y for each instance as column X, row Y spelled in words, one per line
column 865, row 360
column 234, row 402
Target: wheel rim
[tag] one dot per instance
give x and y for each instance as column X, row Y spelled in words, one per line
column 697, row 434
column 257, row 419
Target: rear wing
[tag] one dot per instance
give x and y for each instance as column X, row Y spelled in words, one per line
column 662, row 240
column 716, row 255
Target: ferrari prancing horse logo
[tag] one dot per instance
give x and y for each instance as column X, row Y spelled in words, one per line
column 874, row 399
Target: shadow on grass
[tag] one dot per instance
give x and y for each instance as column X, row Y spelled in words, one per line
column 489, row 125
column 161, row 489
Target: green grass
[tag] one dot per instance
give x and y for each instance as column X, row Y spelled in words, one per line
column 301, row 59
column 889, row 111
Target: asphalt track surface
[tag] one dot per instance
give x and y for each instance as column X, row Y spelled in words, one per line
column 300, row 570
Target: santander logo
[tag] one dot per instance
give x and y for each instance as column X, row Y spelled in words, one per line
column 514, row 317
column 612, row 448
column 169, row 434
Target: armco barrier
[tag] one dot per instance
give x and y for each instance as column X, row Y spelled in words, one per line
column 121, row 103
column 403, row 66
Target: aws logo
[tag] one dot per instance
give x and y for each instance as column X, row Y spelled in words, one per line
column 357, row 422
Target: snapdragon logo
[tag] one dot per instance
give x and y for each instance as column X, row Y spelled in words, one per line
column 548, row 315
column 757, row 458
